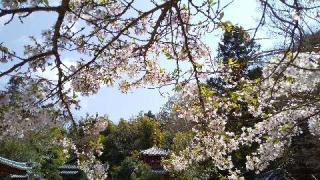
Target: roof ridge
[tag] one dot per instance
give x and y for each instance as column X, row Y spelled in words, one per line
column 16, row 164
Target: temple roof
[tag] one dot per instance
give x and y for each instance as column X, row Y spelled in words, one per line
column 154, row 151
column 159, row 171
column 69, row 168
column 69, row 172
column 16, row 176
column 18, row 165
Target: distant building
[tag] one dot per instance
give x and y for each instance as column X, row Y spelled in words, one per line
column 10, row 169
column 69, row 170
column 153, row 157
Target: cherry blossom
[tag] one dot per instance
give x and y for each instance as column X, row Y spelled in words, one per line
column 285, row 100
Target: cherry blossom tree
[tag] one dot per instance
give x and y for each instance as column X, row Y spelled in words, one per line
column 121, row 44
column 22, row 109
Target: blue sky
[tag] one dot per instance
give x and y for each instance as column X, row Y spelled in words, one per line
column 109, row 100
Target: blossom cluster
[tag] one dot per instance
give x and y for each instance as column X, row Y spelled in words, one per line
column 280, row 102
column 22, row 111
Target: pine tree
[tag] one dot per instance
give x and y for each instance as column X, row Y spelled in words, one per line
column 238, row 51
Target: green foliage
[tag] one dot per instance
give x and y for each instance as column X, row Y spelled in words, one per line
column 45, row 2
column 149, row 132
column 238, row 50
column 36, row 148
column 227, row 26
column 133, row 169
column 127, row 138
column 310, row 42
column 181, row 140
column 236, row 44
column 171, row 123
column 198, row 171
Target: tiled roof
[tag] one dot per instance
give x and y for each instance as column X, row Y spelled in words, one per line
column 69, row 167
column 159, row 171
column 15, row 164
column 16, row 176
column 154, row 151
column 69, row 172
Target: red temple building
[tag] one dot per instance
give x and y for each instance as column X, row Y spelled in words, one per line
column 10, row 169
column 153, row 157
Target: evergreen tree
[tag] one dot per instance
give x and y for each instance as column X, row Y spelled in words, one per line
column 237, row 51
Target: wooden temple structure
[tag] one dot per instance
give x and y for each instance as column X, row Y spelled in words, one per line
column 69, row 170
column 153, row 157
column 10, row 169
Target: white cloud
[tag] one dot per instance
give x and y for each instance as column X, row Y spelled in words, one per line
column 52, row 74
